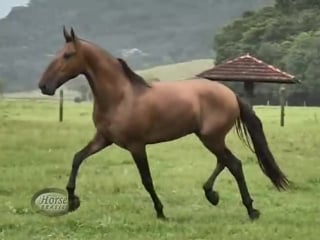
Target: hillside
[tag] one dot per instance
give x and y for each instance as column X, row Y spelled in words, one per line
column 145, row 32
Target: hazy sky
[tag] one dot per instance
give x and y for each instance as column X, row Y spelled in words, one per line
column 6, row 5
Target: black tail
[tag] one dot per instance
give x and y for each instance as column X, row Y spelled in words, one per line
column 249, row 122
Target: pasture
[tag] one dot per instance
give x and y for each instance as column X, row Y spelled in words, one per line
column 36, row 152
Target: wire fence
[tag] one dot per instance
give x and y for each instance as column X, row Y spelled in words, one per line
column 58, row 98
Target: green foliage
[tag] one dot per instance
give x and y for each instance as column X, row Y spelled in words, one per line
column 288, row 6
column 303, row 59
column 286, row 35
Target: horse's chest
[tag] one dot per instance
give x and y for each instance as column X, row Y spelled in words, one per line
column 118, row 131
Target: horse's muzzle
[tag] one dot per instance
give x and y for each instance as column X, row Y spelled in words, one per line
column 47, row 90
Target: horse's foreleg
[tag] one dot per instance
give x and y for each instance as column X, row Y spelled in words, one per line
column 95, row 145
column 140, row 157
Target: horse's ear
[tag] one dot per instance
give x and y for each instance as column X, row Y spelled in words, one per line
column 73, row 35
column 66, row 35
column 74, row 38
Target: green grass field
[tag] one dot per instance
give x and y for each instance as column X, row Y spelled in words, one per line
column 36, row 152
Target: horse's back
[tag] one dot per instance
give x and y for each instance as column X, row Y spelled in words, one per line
column 219, row 96
column 214, row 105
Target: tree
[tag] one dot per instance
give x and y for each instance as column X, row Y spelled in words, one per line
column 303, row 59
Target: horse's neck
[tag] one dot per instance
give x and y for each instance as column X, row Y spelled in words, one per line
column 107, row 83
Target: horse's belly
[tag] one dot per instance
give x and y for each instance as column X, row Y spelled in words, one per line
column 166, row 131
column 172, row 117
column 166, row 135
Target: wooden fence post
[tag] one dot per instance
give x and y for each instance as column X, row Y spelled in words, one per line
column 282, row 96
column 61, row 106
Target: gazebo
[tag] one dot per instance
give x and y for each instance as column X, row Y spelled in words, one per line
column 248, row 70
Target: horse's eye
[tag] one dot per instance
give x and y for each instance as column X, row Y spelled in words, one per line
column 67, row 55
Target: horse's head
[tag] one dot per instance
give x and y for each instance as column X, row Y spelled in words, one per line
column 67, row 64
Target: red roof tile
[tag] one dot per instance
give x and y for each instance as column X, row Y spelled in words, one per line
column 247, row 69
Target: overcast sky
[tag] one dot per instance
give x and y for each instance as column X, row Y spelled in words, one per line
column 6, row 5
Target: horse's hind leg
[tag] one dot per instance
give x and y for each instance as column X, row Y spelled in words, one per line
column 211, row 195
column 235, row 167
column 225, row 158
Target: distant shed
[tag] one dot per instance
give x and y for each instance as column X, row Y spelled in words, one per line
column 249, row 70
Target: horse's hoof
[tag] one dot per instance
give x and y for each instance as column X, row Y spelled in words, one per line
column 162, row 217
column 254, row 214
column 213, row 197
column 74, row 203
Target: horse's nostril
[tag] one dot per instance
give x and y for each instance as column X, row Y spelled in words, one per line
column 42, row 86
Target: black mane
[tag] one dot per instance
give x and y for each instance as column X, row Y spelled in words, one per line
column 134, row 78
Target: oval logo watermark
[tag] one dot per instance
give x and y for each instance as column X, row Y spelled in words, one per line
column 50, row 202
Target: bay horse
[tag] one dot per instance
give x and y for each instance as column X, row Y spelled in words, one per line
column 132, row 113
